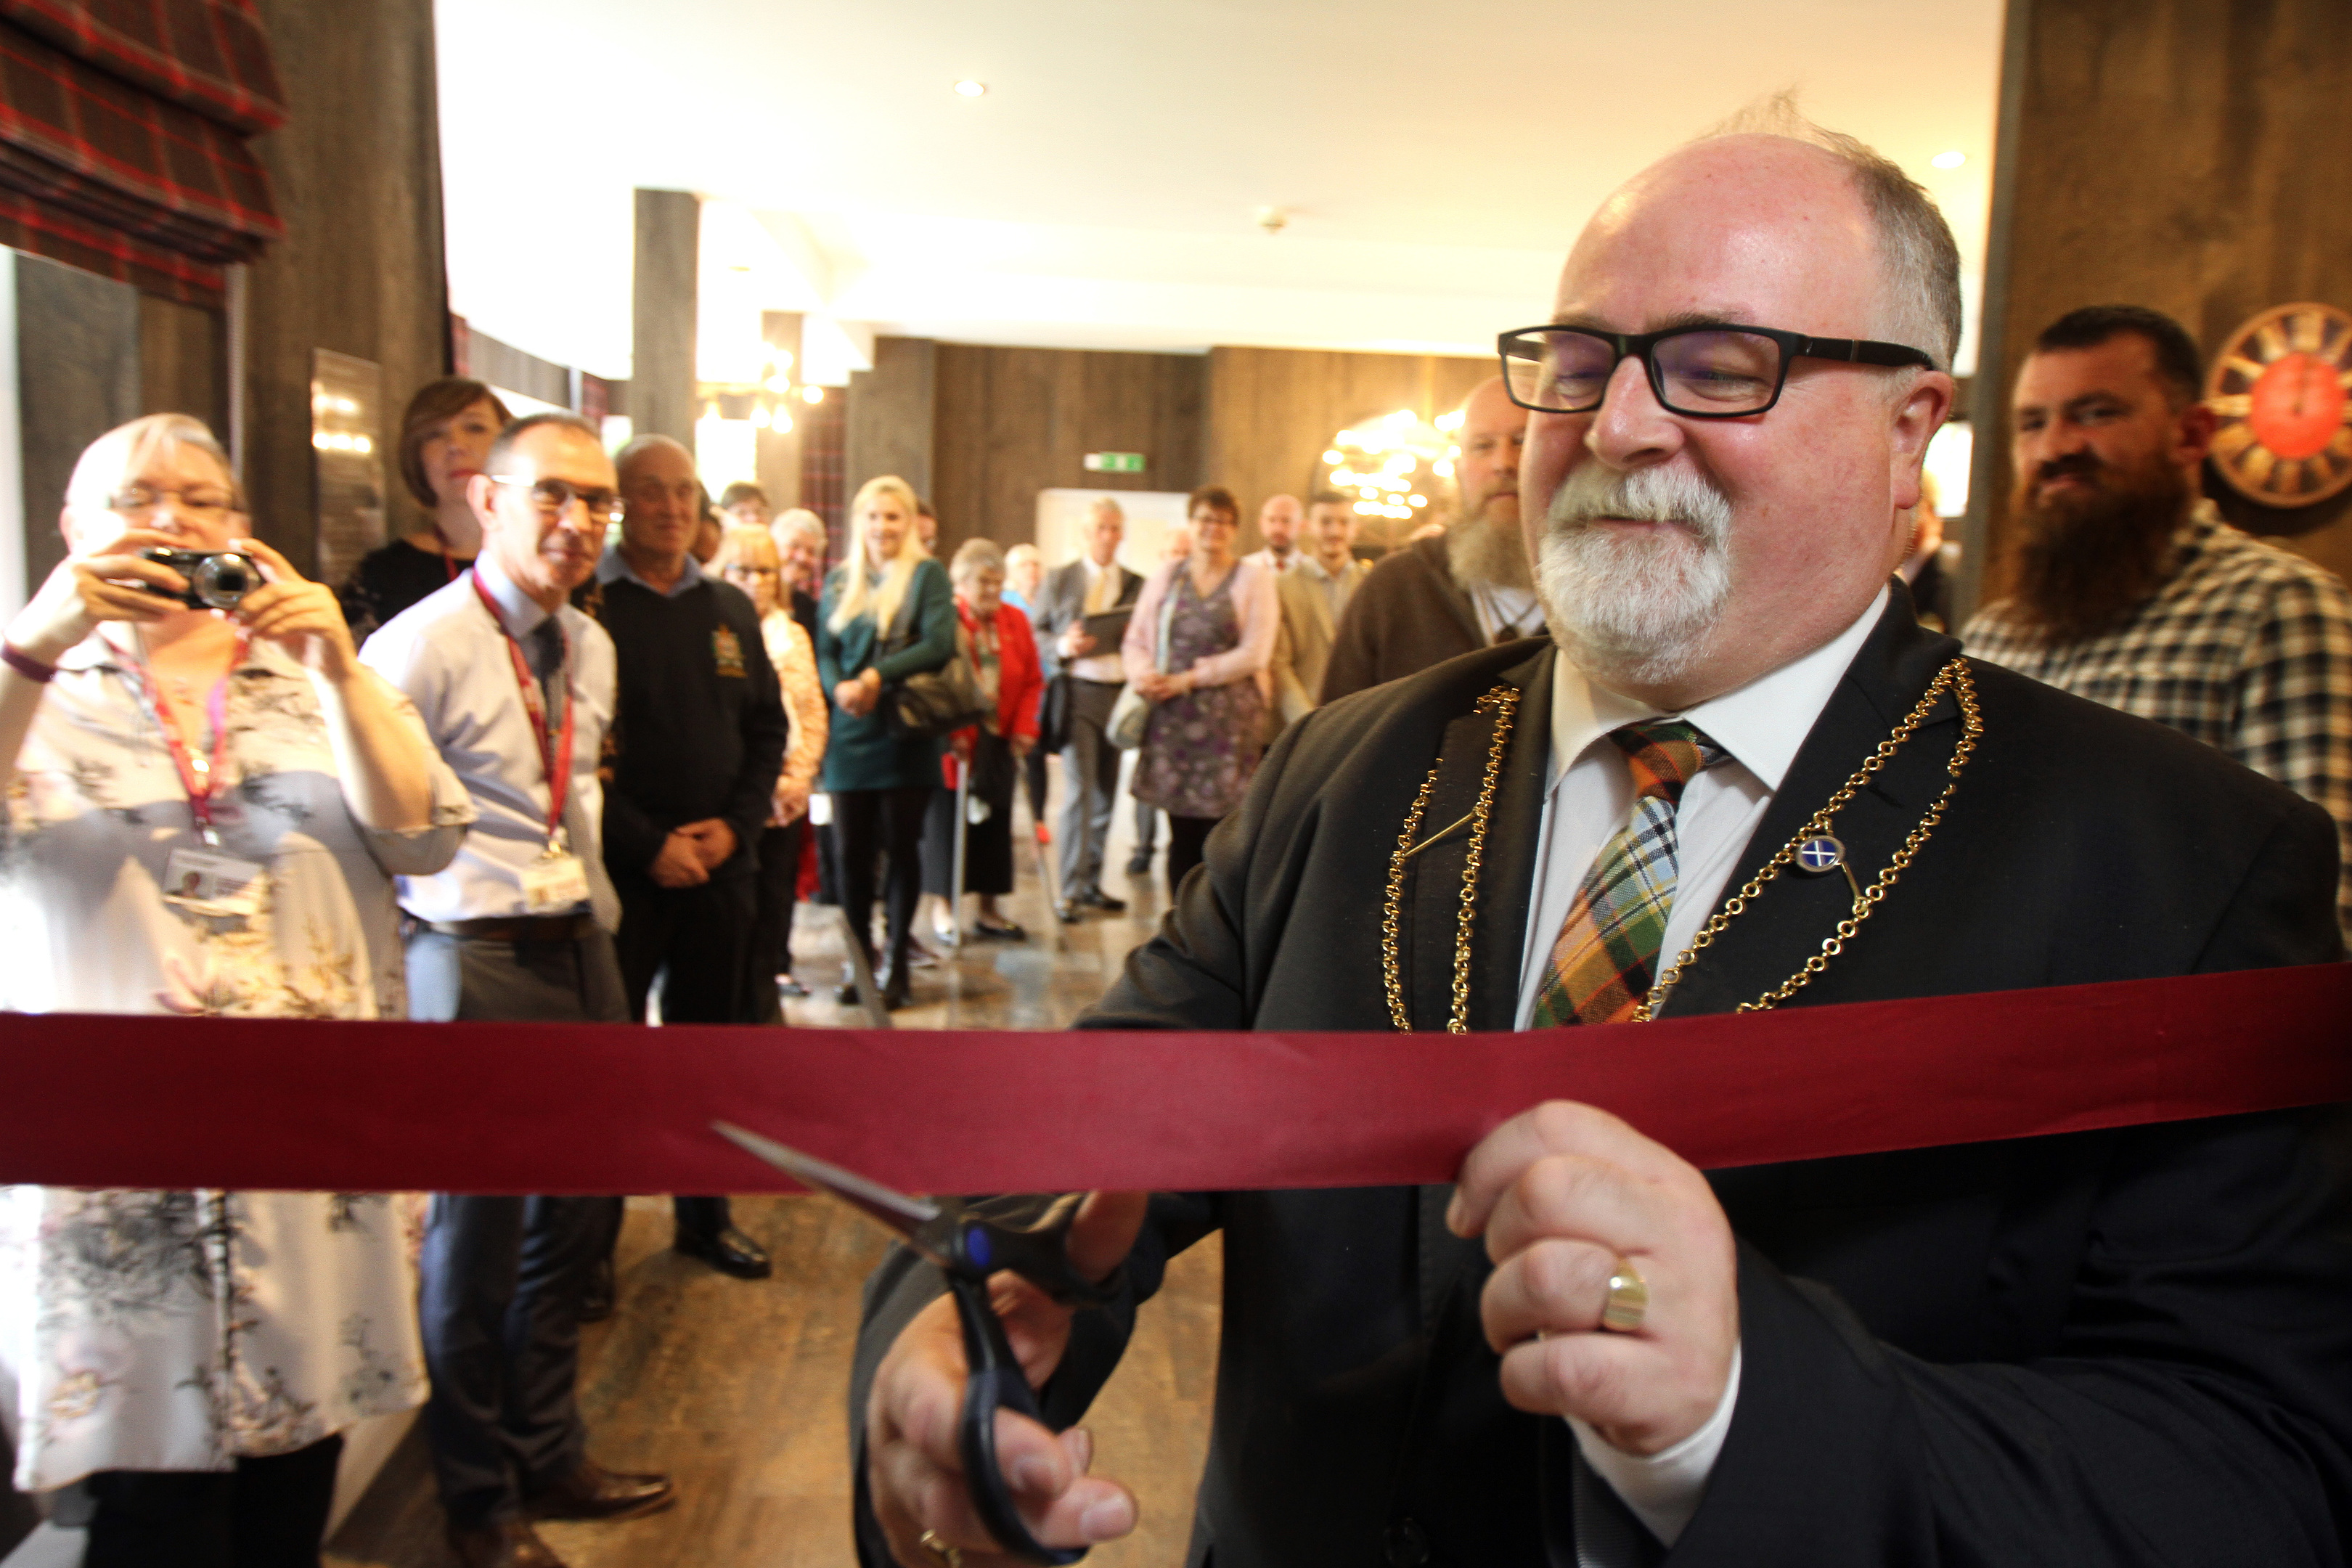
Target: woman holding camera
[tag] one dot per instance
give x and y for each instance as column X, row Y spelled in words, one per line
column 888, row 612
column 205, row 802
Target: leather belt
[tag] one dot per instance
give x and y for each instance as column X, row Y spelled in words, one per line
column 518, row 928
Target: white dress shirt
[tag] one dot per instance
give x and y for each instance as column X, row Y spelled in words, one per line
column 1505, row 612
column 446, row 654
column 1590, row 798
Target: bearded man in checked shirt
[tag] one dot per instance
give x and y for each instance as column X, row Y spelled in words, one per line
column 2124, row 584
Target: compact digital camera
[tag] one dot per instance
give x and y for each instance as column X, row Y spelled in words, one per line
column 217, row 579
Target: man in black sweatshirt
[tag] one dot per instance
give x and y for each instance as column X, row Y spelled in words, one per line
column 695, row 750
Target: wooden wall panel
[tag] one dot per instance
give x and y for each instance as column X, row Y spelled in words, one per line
column 2183, row 155
column 1014, row 421
column 1272, row 412
column 889, row 429
column 357, row 173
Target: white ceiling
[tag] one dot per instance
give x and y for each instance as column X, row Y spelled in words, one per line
column 1434, row 161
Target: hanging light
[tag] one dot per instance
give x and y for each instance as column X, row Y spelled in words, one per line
column 813, row 394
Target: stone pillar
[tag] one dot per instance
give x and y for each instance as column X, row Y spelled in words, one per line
column 663, row 295
column 893, row 416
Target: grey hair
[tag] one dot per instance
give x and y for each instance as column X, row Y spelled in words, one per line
column 976, row 555
column 117, row 456
column 1101, row 504
column 802, row 523
column 1916, row 248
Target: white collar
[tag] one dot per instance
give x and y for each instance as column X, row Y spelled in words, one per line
column 517, row 609
column 1761, row 725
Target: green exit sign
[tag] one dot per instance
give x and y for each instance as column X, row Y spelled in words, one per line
column 1114, row 462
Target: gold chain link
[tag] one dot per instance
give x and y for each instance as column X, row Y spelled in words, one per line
column 1504, row 702
column 1954, row 678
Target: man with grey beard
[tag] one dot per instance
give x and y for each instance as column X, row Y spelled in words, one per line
column 2122, row 1348
column 1466, row 589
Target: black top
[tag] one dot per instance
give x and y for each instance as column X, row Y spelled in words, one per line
column 2118, row 1347
column 390, row 579
column 699, row 728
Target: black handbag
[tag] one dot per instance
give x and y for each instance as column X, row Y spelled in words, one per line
column 933, row 702
column 1053, row 715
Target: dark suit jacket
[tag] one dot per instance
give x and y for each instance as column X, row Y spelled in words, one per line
column 1062, row 600
column 1408, row 615
column 2131, row 1346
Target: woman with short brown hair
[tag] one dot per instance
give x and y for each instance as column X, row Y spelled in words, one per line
column 445, row 435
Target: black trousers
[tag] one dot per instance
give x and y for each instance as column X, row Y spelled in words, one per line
column 503, row 1279
column 266, row 1513
column 697, row 943
column 1089, row 786
column 1032, row 775
column 772, row 924
column 503, row 1276
column 1185, row 837
column 888, row 823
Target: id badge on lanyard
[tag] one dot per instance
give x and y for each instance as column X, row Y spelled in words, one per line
column 205, row 881
column 558, row 879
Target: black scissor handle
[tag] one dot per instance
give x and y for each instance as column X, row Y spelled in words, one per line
column 995, row 1382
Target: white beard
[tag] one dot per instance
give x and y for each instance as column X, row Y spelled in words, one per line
column 1635, row 609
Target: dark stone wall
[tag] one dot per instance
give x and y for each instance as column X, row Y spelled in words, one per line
column 357, row 170
column 77, row 365
column 892, row 426
column 666, row 287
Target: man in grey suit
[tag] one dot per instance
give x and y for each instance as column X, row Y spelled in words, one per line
column 1093, row 584
column 1313, row 593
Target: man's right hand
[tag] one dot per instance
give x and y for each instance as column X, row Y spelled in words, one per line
column 680, row 864
column 914, row 1464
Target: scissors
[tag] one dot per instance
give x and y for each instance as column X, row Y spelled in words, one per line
column 968, row 1248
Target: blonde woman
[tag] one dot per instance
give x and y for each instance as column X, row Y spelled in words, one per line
column 888, row 612
column 747, row 558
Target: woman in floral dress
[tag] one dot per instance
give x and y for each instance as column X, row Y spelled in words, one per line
column 204, row 810
column 1207, row 724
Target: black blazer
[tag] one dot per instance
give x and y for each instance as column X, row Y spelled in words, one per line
column 2116, row 1347
column 1062, row 600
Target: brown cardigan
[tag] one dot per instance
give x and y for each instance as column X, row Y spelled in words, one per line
column 1408, row 615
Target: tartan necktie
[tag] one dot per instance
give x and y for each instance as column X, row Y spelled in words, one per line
column 1606, row 954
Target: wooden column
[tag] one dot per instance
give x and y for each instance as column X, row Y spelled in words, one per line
column 893, row 416
column 2181, row 155
column 663, row 296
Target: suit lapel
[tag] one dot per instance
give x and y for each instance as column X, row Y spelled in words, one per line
column 1786, row 926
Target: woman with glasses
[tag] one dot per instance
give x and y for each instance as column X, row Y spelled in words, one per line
column 445, row 435
column 747, row 558
column 1005, row 655
column 206, row 806
column 888, row 612
column 1203, row 630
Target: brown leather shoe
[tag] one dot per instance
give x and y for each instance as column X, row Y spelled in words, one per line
column 592, row 1492
column 503, row 1544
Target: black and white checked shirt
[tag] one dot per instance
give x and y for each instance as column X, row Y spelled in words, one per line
column 2248, row 648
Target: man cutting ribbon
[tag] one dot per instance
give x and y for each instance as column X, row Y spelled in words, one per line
column 1744, row 777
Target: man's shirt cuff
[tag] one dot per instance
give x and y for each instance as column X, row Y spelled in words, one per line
column 1663, row 1491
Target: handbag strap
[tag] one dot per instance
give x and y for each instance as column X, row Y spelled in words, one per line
column 1167, row 615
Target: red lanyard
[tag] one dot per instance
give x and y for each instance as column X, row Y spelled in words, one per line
column 199, row 776
column 448, row 556
column 554, row 750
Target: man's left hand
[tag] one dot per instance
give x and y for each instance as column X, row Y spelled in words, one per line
column 713, row 841
column 1562, row 1193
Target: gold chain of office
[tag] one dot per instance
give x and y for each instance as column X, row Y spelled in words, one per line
column 1504, row 700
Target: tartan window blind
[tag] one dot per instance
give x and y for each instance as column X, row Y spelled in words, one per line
column 123, row 138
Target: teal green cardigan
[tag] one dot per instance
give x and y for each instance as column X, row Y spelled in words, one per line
column 866, row 753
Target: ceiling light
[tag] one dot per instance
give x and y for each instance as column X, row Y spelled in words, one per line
column 813, row 394
column 779, row 384
column 969, row 88
column 1951, row 160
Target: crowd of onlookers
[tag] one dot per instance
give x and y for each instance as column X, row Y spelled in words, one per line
column 557, row 752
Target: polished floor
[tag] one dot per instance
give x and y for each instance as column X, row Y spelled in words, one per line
column 738, row 1390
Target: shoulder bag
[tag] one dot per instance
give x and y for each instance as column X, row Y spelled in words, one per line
column 1132, row 711
column 933, row 702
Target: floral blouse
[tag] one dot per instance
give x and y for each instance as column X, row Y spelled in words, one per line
column 794, row 657
column 143, row 1329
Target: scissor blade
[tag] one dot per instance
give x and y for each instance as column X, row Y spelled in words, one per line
column 902, row 1214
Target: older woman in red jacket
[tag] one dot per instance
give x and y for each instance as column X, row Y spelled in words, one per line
column 997, row 636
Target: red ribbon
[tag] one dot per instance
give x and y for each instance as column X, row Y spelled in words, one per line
column 544, row 1108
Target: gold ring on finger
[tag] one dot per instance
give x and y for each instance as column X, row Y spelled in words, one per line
column 942, row 1553
column 1629, row 1298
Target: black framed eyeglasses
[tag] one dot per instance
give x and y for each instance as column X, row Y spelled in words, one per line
column 1701, row 372
column 555, row 497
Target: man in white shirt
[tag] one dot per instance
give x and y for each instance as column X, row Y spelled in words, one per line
column 2122, row 1348
column 1277, row 524
column 516, row 689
